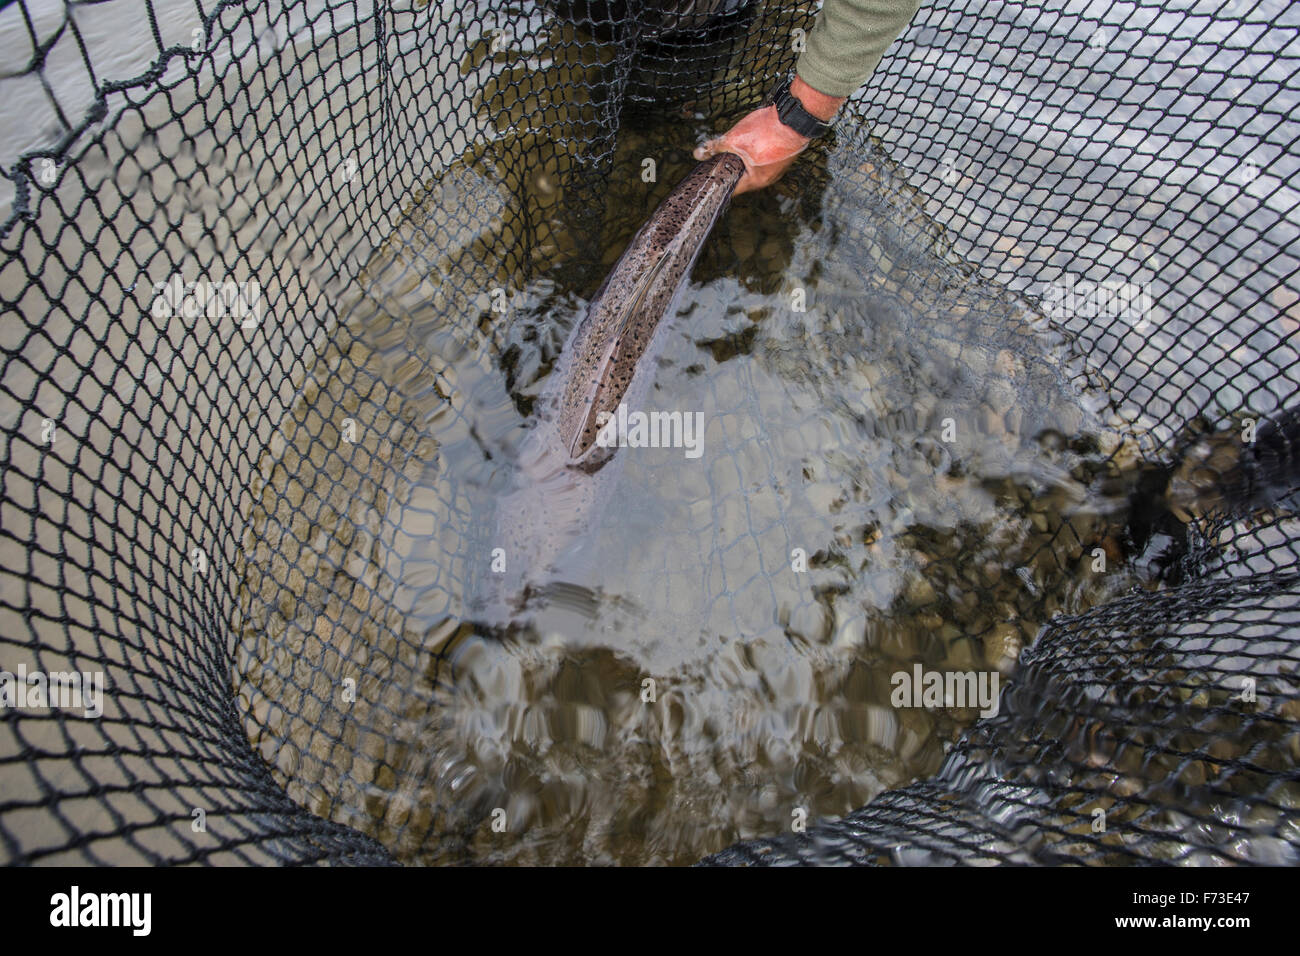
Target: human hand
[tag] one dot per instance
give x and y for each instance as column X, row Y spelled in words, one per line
column 767, row 146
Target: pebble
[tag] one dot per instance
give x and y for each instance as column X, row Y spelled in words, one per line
column 1000, row 396
column 1002, row 647
column 991, row 423
column 1007, row 364
column 1013, row 419
column 742, row 241
column 920, row 592
column 960, row 656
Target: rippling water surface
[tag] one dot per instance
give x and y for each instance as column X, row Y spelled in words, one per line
column 898, row 472
column 898, row 466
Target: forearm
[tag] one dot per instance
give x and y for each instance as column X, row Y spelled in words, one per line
column 848, row 40
column 814, row 101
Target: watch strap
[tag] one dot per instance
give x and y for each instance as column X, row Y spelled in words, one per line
column 792, row 113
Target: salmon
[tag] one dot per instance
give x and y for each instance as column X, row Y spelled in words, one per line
column 564, row 474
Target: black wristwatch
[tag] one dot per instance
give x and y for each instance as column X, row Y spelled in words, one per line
column 791, row 112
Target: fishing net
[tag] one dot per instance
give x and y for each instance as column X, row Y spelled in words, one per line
column 233, row 505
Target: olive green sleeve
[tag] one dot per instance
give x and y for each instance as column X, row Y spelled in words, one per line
column 849, row 38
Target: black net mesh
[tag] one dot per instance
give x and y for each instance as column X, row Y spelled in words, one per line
column 241, row 521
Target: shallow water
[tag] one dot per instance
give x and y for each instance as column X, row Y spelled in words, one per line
column 825, row 436
column 912, row 432
column 823, row 433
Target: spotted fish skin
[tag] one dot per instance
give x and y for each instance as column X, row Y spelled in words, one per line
column 611, row 341
column 564, row 478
